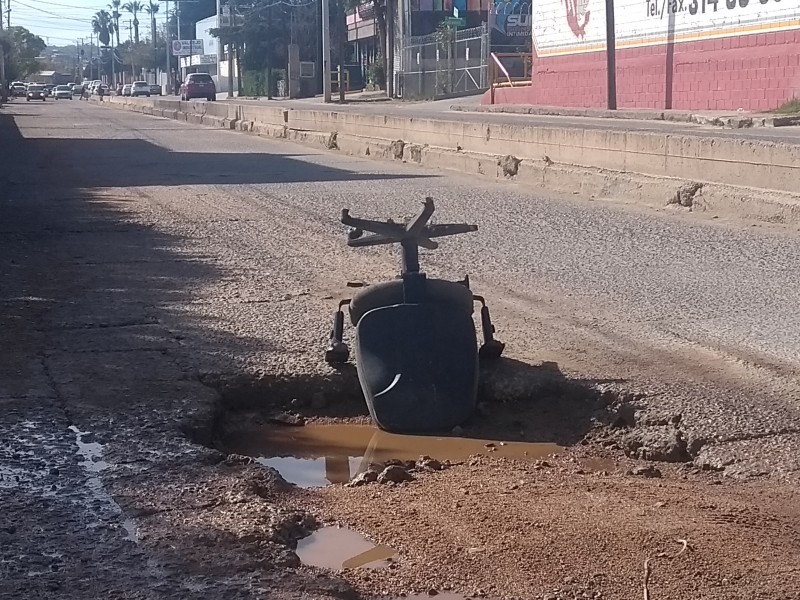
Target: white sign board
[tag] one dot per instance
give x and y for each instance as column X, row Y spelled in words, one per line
column 187, row 47
column 575, row 26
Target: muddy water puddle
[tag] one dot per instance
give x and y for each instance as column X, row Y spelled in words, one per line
column 341, row 548
column 319, row 455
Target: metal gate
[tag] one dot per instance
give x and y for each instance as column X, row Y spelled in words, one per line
column 449, row 63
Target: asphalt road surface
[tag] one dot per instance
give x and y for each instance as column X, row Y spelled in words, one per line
column 138, row 254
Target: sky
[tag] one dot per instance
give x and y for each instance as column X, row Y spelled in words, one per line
column 63, row 22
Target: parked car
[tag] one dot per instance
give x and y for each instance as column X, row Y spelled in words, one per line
column 62, row 92
column 77, row 90
column 155, row 89
column 93, row 87
column 35, row 92
column 126, row 89
column 18, row 89
column 48, row 89
column 198, row 85
column 140, row 88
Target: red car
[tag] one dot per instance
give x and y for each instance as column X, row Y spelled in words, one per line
column 198, row 85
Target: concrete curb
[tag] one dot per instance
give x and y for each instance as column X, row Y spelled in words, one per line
column 739, row 121
column 558, row 111
column 650, row 169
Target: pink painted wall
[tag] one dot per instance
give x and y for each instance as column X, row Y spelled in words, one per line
column 752, row 72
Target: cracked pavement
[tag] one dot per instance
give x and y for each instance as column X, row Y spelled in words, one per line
column 138, row 256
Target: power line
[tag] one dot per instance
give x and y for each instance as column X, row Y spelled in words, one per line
column 31, row 15
column 51, row 13
column 62, row 39
column 66, row 5
column 38, row 22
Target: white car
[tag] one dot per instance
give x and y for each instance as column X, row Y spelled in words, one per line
column 140, row 88
column 62, row 92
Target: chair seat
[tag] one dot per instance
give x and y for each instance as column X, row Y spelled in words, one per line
column 389, row 293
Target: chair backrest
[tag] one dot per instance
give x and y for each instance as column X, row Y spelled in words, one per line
column 418, row 366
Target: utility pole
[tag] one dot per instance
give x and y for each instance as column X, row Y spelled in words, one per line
column 219, row 46
column 167, row 44
column 390, row 15
column 231, row 21
column 326, row 51
column 179, row 74
column 130, row 51
column 611, row 55
column 269, row 56
column 341, row 26
column 3, row 87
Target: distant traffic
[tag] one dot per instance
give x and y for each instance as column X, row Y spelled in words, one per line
column 43, row 91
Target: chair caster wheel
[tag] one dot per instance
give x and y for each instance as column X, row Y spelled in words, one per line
column 491, row 350
column 337, row 353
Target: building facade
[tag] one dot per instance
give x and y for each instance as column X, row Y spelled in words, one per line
column 214, row 59
column 670, row 54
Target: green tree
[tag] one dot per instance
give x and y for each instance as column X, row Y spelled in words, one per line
column 379, row 8
column 152, row 9
column 115, row 6
column 264, row 31
column 134, row 7
column 21, row 48
column 140, row 56
column 194, row 11
column 102, row 25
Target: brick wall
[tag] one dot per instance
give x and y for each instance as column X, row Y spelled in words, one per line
column 680, row 54
column 751, row 72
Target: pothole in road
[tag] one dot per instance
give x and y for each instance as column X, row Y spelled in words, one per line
column 319, row 455
column 341, row 548
column 437, row 595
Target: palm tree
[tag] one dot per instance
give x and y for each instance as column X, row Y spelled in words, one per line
column 114, row 6
column 102, row 26
column 134, row 7
column 151, row 10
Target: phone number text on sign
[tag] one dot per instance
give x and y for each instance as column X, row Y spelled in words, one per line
column 693, row 7
column 580, row 25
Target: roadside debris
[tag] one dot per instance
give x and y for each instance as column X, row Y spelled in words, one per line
column 397, row 471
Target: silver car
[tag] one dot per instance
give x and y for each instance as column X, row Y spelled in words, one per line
column 62, row 92
column 140, row 88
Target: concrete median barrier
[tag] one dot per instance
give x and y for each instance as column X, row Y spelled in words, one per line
column 742, row 177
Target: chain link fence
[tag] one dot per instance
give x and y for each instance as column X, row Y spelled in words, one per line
column 446, row 64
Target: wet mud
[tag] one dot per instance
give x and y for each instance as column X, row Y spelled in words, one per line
column 318, row 455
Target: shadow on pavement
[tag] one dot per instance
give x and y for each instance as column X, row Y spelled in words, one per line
column 132, row 162
column 101, row 309
column 96, row 332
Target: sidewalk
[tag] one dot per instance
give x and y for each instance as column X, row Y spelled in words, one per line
column 469, row 110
